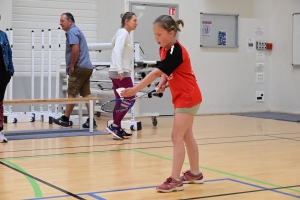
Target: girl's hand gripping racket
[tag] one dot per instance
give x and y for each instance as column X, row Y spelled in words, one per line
column 121, row 104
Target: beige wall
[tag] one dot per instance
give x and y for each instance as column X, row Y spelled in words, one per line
column 285, row 78
column 6, row 14
column 226, row 76
column 108, row 23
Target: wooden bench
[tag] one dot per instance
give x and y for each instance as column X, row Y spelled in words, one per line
column 79, row 101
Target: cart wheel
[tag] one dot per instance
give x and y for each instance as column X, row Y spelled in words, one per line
column 154, row 121
column 70, row 123
column 98, row 114
column 15, row 120
column 32, row 119
column 132, row 127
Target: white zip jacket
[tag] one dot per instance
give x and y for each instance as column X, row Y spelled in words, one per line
column 122, row 53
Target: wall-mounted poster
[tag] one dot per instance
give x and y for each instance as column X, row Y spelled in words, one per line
column 206, row 28
column 222, row 38
column 219, row 30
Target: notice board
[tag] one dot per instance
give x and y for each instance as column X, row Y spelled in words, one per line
column 218, row 30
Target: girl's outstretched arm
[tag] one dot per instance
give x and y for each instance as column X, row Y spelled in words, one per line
column 128, row 92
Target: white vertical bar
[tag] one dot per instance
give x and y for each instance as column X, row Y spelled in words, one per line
column 32, row 68
column 80, row 116
column 91, row 102
column 11, row 34
column 42, row 71
column 136, row 51
column 7, row 33
column 137, row 106
column 57, row 69
column 49, row 70
column 135, row 58
column 132, row 108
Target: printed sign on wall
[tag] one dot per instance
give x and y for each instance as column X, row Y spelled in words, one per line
column 206, row 28
column 172, row 12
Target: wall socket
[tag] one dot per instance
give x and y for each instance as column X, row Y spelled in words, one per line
column 261, row 45
column 260, row 64
column 260, row 96
column 260, row 77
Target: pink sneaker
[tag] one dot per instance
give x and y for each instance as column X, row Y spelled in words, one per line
column 188, row 177
column 170, row 185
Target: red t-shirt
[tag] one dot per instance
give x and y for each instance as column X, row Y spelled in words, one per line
column 176, row 64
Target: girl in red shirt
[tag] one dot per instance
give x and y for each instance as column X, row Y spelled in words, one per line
column 175, row 69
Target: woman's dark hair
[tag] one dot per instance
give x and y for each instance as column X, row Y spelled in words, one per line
column 124, row 16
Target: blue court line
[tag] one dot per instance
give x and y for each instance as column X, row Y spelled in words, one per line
column 93, row 194
column 264, row 188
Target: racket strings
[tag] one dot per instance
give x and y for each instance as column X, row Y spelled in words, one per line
column 121, row 105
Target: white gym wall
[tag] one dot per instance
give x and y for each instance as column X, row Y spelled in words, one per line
column 5, row 13
column 28, row 15
column 226, row 76
column 285, row 79
column 36, row 15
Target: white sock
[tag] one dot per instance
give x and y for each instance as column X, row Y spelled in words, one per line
column 196, row 174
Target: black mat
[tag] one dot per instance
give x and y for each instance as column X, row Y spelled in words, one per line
column 272, row 115
column 50, row 133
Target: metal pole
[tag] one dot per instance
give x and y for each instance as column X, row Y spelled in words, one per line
column 49, row 70
column 42, row 71
column 57, row 70
column 32, row 68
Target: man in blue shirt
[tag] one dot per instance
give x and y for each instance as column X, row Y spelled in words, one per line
column 6, row 71
column 78, row 67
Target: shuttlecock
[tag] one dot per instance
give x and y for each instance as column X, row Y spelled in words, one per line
column 119, row 90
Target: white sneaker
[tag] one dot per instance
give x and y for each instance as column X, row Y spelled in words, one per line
column 2, row 137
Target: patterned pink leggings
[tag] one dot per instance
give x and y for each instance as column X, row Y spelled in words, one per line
column 125, row 83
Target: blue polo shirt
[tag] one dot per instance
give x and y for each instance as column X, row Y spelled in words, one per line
column 75, row 36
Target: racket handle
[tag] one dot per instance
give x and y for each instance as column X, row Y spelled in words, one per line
column 160, row 95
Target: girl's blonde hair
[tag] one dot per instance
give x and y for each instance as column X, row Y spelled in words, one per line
column 168, row 23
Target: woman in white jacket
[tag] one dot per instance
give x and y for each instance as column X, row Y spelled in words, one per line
column 121, row 67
